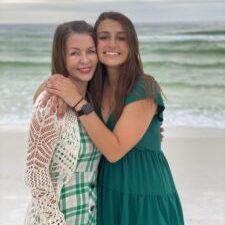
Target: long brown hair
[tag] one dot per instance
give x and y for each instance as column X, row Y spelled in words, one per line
column 131, row 70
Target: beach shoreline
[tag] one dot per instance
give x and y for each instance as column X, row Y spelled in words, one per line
column 195, row 155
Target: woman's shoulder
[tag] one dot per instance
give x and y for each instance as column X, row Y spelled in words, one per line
column 145, row 86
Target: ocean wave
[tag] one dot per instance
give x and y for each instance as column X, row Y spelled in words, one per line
column 194, row 119
column 217, row 51
column 205, row 32
column 23, row 63
column 181, row 38
column 171, row 118
column 193, row 84
column 185, row 64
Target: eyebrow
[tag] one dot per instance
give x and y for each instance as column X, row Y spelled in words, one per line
column 107, row 32
column 72, row 48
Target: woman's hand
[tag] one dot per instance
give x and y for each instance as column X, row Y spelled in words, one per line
column 61, row 107
column 64, row 88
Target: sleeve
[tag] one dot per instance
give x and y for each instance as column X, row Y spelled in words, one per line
column 140, row 91
column 43, row 135
column 161, row 107
column 137, row 93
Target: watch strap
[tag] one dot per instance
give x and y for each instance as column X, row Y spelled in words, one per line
column 85, row 109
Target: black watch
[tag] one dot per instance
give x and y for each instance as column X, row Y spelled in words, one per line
column 85, row 110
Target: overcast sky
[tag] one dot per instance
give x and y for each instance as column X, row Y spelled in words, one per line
column 56, row 11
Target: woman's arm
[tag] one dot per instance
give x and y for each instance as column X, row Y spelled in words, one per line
column 43, row 135
column 131, row 126
column 56, row 101
column 39, row 90
column 129, row 129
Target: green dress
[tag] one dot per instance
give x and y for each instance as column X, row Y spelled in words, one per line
column 139, row 188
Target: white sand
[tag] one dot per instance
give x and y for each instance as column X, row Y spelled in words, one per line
column 14, row 194
column 197, row 161
column 196, row 157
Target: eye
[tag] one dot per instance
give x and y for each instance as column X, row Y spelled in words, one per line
column 92, row 51
column 74, row 53
column 103, row 37
column 122, row 38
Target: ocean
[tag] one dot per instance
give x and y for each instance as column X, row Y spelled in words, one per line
column 187, row 59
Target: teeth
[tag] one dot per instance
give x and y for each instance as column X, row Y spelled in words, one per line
column 111, row 53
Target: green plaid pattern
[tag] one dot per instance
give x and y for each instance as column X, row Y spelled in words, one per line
column 78, row 197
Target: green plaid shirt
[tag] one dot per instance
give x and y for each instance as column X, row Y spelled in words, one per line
column 78, row 197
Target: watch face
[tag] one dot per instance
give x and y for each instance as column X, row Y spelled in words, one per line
column 85, row 110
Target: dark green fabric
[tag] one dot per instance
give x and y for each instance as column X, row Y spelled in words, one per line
column 139, row 188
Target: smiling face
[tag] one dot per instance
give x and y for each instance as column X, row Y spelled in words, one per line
column 80, row 57
column 112, row 43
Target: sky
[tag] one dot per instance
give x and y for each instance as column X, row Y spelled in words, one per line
column 57, row 11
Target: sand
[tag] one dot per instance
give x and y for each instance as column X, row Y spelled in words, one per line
column 196, row 157
column 197, row 161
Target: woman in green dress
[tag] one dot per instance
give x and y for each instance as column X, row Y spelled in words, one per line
column 135, row 185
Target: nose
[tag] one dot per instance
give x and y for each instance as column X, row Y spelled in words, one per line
column 84, row 58
column 112, row 42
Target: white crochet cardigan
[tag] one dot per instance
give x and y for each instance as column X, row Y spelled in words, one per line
column 53, row 147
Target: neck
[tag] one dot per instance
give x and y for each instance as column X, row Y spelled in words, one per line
column 113, row 75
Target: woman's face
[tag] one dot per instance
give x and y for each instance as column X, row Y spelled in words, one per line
column 81, row 57
column 112, row 43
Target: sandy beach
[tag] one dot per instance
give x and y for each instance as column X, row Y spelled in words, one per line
column 196, row 157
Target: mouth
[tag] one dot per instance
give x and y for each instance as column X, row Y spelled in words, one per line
column 111, row 53
column 85, row 69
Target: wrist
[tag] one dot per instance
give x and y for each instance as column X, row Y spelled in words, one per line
column 79, row 104
column 83, row 108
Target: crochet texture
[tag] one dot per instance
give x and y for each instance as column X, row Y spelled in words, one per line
column 53, row 147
